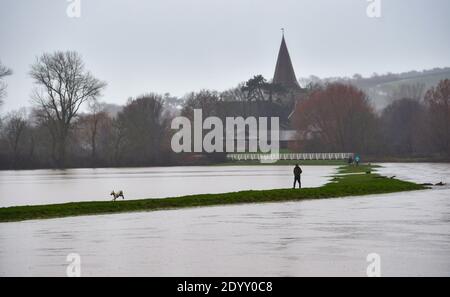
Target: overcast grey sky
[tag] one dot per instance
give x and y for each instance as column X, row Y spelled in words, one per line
column 178, row 46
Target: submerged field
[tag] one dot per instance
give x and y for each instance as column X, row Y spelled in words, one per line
column 285, row 162
column 350, row 181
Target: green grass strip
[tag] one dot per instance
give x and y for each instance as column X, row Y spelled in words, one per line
column 352, row 181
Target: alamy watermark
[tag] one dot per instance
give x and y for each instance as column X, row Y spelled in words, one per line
column 374, row 268
column 249, row 135
column 74, row 267
column 374, row 9
column 74, row 9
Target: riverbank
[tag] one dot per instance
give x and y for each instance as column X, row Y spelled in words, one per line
column 350, row 181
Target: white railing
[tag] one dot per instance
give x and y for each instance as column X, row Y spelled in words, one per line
column 290, row 156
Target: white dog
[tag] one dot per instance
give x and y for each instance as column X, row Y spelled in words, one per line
column 117, row 195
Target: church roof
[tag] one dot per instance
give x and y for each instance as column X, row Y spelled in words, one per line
column 284, row 71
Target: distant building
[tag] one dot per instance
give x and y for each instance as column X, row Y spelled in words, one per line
column 284, row 71
column 283, row 107
column 285, row 76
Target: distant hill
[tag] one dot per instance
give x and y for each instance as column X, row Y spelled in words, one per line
column 383, row 89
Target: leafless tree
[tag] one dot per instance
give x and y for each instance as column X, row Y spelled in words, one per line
column 14, row 132
column 93, row 126
column 63, row 86
column 141, row 126
column 4, row 71
column 96, row 115
column 438, row 101
column 234, row 94
column 402, row 124
column 206, row 100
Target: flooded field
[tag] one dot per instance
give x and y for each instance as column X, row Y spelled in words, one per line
column 35, row 187
column 410, row 232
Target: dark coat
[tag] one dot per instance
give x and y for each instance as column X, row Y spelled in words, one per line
column 297, row 171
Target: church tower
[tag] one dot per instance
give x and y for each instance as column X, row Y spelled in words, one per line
column 284, row 71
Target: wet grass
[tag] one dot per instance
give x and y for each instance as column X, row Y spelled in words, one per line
column 352, row 181
column 361, row 169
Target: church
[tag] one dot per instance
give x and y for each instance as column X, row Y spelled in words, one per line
column 285, row 76
column 285, row 91
column 284, row 71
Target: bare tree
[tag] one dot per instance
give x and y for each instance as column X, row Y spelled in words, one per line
column 206, row 100
column 402, row 124
column 141, row 127
column 96, row 115
column 234, row 94
column 4, row 71
column 93, row 126
column 63, row 86
column 438, row 101
column 13, row 133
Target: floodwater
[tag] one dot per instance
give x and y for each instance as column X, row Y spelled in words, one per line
column 409, row 231
column 36, row 187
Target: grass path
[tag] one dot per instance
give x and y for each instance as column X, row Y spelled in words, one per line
column 348, row 182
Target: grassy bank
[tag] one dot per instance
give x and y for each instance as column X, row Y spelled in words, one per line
column 352, row 181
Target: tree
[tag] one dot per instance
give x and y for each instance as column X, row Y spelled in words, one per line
column 14, row 134
column 4, row 71
column 403, row 128
column 141, row 127
column 118, row 140
column 336, row 118
column 234, row 94
column 255, row 88
column 438, row 101
column 206, row 100
column 258, row 89
column 357, row 76
column 63, row 86
column 95, row 129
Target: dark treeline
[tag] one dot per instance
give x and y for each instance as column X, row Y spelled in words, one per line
column 68, row 127
column 133, row 137
column 340, row 118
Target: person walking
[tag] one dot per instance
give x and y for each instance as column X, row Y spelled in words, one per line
column 297, row 176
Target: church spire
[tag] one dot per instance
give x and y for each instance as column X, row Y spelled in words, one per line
column 284, row 71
